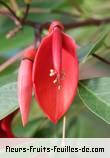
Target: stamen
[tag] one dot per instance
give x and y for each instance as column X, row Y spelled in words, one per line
column 52, row 70
column 55, row 81
column 58, row 78
column 59, row 87
column 51, row 74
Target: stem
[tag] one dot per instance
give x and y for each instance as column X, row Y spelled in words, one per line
column 64, row 127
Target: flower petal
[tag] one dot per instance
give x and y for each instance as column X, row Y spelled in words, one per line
column 55, row 102
column 5, row 126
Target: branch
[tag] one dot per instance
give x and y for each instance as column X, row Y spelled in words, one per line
column 89, row 22
column 81, row 23
column 75, row 24
column 13, row 32
column 11, row 60
column 18, row 56
column 26, row 12
column 10, row 10
column 5, row 13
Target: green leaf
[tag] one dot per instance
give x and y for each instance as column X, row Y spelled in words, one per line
column 94, row 67
column 47, row 4
column 6, row 79
column 8, row 95
column 84, row 51
column 90, row 48
column 23, row 38
column 90, row 126
column 8, row 99
column 95, row 94
column 29, row 130
column 47, row 17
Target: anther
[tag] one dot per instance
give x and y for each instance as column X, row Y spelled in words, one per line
column 55, row 81
column 58, row 78
column 59, row 87
column 52, row 72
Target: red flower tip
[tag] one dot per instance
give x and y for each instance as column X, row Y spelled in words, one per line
column 25, row 83
column 56, row 24
column 29, row 53
column 55, row 72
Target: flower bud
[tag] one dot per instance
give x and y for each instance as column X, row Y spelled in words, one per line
column 25, row 83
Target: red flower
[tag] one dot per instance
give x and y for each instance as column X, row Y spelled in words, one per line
column 5, row 127
column 55, row 72
column 25, row 83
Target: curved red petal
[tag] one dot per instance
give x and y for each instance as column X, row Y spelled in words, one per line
column 25, row 88
column 55, row 102
column 5, row 126
column 2, row 133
